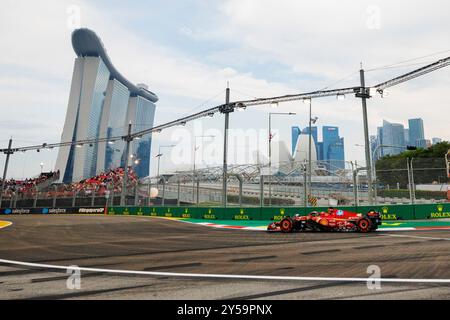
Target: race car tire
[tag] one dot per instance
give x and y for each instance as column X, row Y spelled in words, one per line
column 364, row 225
column 286, row 225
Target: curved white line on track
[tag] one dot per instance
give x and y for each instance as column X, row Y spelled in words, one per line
column 221, row 276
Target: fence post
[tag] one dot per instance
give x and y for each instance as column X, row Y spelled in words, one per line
column 149, row 189
column 35, row 197
column 198, row 192
column 74, row 196
column 355, row 186
column 54, row 197
column 240, row 192
column 136, row 195
column 261, row 191
column 15, row 199
column 93, row 198
column 178, row 192
column 411, row 197
column 11, row 200
column 111, row 195
column 163, row 192
column 413, row 185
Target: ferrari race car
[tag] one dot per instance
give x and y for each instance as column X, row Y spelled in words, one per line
column 332, row 220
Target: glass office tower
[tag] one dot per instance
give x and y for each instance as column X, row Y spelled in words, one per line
column 416, row 132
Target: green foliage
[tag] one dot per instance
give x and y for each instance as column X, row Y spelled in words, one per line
column 429, row 166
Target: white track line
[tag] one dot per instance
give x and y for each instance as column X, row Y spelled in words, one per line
column 222, row 276
column 417, row 237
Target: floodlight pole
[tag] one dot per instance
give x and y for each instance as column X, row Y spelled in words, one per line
column 364, row 95
column 128, row 138
column 8, row 152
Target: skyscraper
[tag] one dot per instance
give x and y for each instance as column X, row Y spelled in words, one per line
column 416, row 131
column 333, row 148
column 101, row 104
column 393, row 137
column 423, row 143
column 406, row 137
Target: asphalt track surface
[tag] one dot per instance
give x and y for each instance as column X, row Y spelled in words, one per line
column 160, row 245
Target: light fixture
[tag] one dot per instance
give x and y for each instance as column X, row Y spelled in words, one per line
column 274, row 104
column 385, row 93
column 79, row 145
column 307, row 101
column 373, row 91
column 340, row 97
column 211, row 114
column 183, row 123
column 240, row 107
column 136, row 161
column 138, row 138
column 314, row 120
column 110, row 142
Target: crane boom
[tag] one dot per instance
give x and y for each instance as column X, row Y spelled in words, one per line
column 225, row 108
column 413, row 74
column 245, row 103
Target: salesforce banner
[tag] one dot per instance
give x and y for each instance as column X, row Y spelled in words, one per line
column 77, row 210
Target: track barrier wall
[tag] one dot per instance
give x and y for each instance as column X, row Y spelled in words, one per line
column 389, row 212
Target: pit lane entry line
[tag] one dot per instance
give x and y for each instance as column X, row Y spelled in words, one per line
column 220, row 276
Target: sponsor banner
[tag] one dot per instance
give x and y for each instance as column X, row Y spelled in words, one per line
column 76, row 210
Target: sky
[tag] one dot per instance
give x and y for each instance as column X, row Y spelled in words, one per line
column 187, row 52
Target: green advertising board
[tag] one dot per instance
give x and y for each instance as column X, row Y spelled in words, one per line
column 388, row 212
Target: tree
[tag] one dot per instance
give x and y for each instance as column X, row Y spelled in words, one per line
column 428, row 164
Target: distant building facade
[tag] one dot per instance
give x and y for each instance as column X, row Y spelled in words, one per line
column 395, row 135
column 101, row 104
column 393, row 138
column 416, row 131
column 330, row 150
column 423, row 143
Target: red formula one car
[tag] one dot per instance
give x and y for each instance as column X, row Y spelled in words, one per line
column 332, row 220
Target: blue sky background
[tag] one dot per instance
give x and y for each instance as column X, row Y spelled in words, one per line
column 187, row 51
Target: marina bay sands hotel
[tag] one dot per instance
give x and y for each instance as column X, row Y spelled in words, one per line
column 101, row 104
